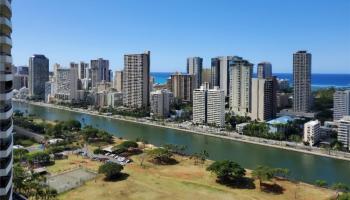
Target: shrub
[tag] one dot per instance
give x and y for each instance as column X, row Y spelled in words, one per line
column 110, row 170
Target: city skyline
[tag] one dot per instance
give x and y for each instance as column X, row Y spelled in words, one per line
column 173, row 38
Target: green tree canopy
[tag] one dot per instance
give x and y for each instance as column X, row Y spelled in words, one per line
column 110, row 170
column 227, row 170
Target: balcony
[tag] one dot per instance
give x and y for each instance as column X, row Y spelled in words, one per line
column 5, row 125
column 5, row 86
column 6, row 165
column 5, row 39
column 5, row 7
column 4, row 152
column 6, row 114
column 6, row 96
column 5, row 59
column 6, row 196
column 5, row 26
column 5, row 183
column 6, row 77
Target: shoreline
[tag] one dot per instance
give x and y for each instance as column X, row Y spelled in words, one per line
column 118, row 117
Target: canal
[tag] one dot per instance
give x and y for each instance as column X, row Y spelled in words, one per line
column 303, row 167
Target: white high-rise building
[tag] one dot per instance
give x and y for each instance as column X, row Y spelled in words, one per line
column 66, row 83
column 241, row 78
column 209, row 106
column 302, row 97
column 344, row 131
column 136, row 80
column 83, row 70
column 264, row 70
column 341, row 104
column 160, row 102
column 264, row 99
column 312, row 132
column 6, row 110
column 220, row 72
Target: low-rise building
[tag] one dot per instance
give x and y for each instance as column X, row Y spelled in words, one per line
column 275, row 124
column 312, row 132
column 114, row 99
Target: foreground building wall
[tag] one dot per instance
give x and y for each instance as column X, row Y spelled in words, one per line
column 6, row 87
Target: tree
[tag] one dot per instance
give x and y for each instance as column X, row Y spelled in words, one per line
column 321, row 183
column 344, row 196
column 263, row 173
column 161, row 155
column 200, row 157
column 110, row 170
column 41, row 158
column 128, row 144
column 340, row 187
column 227, row 171
column 19, row 154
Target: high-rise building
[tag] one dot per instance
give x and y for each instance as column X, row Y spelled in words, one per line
column 99, row 71
column 312, row 132
column 6, row 127
column 195, row 66
column 264, row 99
column 82, row 70
column 182, row 86
column 341, row 104
column 206, row 77
column 209, row 106
column 241, row 78
column 66, row 82
column 74, row 77
column 118, row 81
column 344, row 131
column 136, row 80
column 264, row 70
column 20, row 81
column 220, row 72
column 38, row 75
column 302, row 81
column 160, row 102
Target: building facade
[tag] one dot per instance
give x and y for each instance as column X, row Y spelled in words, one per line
column 241, row 79
column 182, row 86
column 83, row 70
column 160, row 103
column 6, row 110
column 341, row 104
column 264, row 99
column 99, row 71
column 312, row 132
column 38, row 76
column 195, row 66
column 264, row 70
column 302, row 97
column 220, row 72
column 344, row 131
column 136, row 77
column 118, row 81
column 209, row 106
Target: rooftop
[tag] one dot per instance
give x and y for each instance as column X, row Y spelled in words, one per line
column 281, row 120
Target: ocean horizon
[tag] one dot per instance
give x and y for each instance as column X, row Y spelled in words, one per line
column 319, row 80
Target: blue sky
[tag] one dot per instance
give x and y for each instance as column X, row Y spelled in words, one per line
column 258, row 30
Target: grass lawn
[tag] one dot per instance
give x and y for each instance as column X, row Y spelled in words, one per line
column 181, row 181
column 72, row 162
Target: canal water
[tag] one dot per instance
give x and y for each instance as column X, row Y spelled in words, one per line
column 303, row 167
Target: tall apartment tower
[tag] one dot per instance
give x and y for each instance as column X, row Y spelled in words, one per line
column 302, row 81
column 99, row 71
column 341, row 105
column 241, row 78
column 220, row 72
column 264, row 70
column 182, row 86
column 136, row 80
column 209, row 106
column 195, row 66
column 6, row 127
column 38, row 75
column 74, row 76
column 344, row 131
column 118, row 81
column 264, row 99
column 82, row 70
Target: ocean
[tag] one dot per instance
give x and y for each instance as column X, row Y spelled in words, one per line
column 318, row 80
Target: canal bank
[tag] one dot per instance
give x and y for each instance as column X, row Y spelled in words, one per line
column 304, row 167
